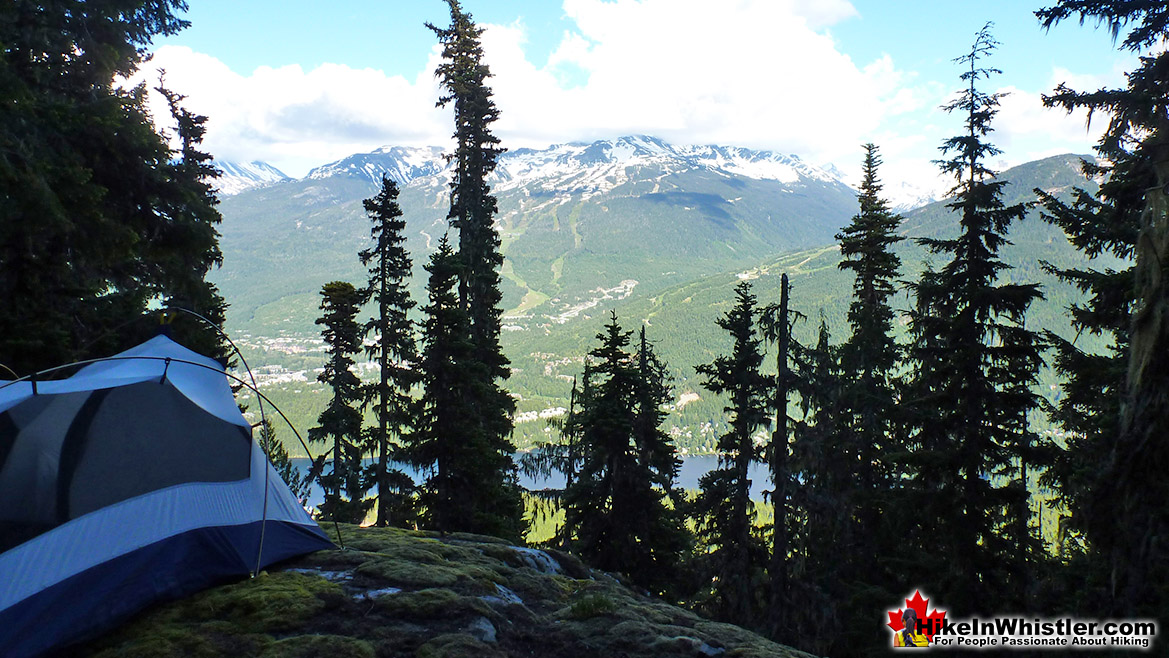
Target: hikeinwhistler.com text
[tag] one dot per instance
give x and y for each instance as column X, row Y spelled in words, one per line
column 1038, row 633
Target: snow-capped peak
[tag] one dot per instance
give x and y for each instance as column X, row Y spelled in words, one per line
column 235, row 177
column 583, row 167
column 401, row 163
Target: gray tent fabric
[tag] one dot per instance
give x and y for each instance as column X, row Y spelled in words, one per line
column 134, row 480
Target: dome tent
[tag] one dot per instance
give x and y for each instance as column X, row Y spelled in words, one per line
column 134, row 480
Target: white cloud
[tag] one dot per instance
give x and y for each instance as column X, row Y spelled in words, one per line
column 757, row 73
column 297, row 119
column 1025, row 130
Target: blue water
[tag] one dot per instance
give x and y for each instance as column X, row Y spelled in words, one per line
column 692, row 470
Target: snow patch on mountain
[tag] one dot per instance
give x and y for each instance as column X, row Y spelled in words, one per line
column 584, row 169
column 403, row 164
column 903, row 197
column 236, row 177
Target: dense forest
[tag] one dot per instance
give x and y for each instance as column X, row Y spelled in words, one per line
column 903, row 447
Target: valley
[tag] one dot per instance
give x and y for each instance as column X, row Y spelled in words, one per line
column 658, row 234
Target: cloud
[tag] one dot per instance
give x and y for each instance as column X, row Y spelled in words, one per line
column 1025, row 130
column 758, row 73
column 293, row 118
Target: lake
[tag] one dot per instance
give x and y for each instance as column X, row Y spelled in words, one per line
column 692, row 469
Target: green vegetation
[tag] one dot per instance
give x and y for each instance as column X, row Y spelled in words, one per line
column 736, row 555
column 484, row 414
column 1118, row 501
column 101, row 219
column 340, row 422
column 620, row 466
column 400, row 593
column 392, row 347
column 907, row 455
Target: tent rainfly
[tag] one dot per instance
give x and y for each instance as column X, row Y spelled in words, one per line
column 134, row 481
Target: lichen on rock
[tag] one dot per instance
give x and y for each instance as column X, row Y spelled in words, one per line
column 401, row 593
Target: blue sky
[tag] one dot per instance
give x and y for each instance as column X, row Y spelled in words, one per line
column 299, row 83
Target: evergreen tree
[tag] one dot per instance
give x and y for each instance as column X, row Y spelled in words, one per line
column 1126, row 517
column 100, row 217
column 822, row 514
column 974, row 364
column 846, row 441
column 489, row 407
column 869, row 358
column 340, row 422
column 776, row 324
column 616, row 506
column 737, row 557
column 392, row 346
column 1093, row 385
column 299, row 484
column 460, row 461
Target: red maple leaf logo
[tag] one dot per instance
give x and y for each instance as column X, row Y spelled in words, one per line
column 919, row 606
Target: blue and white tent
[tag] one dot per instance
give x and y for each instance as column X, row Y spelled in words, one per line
column 133, row 481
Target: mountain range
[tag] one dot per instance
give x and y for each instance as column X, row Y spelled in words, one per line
column 236, row 177
column 659, row 233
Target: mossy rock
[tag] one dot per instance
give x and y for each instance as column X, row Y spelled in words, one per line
column 449, row 585
column 571, row 564
column 274, row 602
column 409, row 574
column 591, row 605
column 458, row 645
column 433, row 604
column 316, row 646
column 161, row 642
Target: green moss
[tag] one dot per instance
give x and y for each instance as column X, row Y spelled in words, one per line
column 457, row 645
column 409, row 574
column 313, row 646
column 268, row 603
column 445, row 584
column 161, row 642
column 591, row 605
column 432, row 604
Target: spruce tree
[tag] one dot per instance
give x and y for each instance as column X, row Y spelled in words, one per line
column 392, row 346
column 822, row 506
column 100, row 217
column 973, row 366
column 616, row 507
column 776, row 323
column 460, row 461
column 472, row 211
column 1127, row 518
column 869, row 358
column 299, row 484
column 439, row 442
column 340, row 422
column 1093, row 387
column 736, row 556
column 846, row 443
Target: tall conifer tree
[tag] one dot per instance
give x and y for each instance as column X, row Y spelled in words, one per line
column 776, row 324
column 974, row 364
column 616, row 505
column 100, row 217
column 392, row 346
column 444, row 443
column 340, row 422
column 1093, row 388
column 1127, row 519
column 846, row 445
column 472, row 212
column 725, row 511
